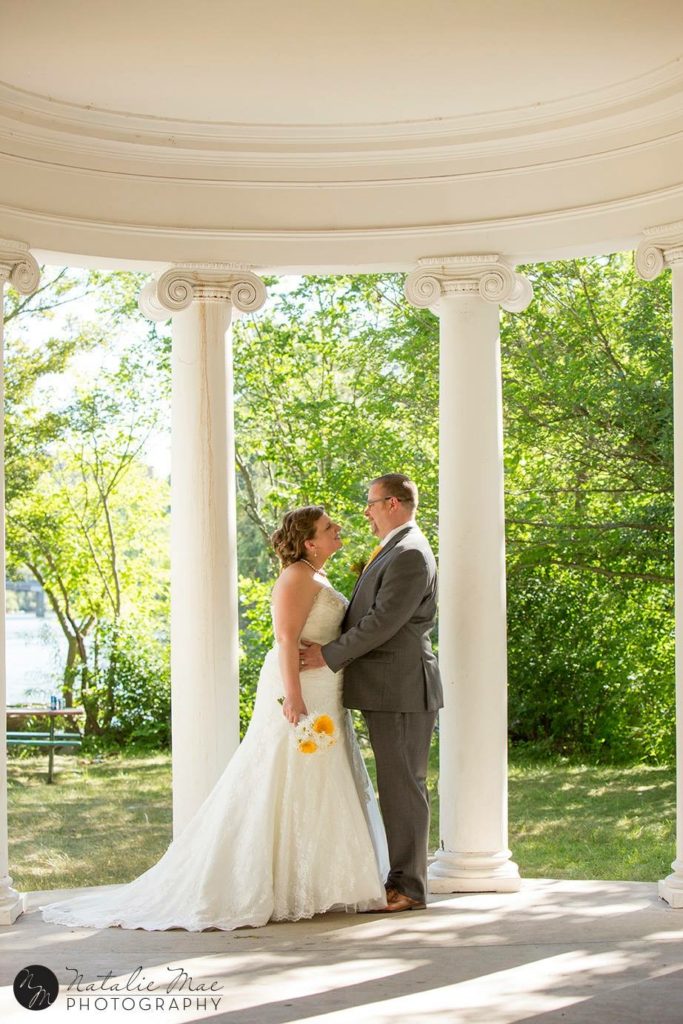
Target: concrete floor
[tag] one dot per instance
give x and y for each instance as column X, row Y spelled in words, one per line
column 554, row 953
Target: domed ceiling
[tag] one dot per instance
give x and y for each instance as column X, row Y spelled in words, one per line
column 314, row 135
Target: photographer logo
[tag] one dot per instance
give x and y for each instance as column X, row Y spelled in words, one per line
column 36, row 987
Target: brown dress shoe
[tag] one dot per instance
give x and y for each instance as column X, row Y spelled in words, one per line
column 391, row 894
column 398, row 901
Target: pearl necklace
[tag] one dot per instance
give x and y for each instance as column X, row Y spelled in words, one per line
column 321, row 570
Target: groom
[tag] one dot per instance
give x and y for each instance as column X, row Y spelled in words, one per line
column 392, row 676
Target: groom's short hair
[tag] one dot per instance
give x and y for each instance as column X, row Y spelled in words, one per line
column 398, row 485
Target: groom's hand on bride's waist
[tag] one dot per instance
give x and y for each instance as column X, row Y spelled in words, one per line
column 310, row 656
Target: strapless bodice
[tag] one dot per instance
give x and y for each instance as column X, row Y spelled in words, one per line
column 325, row 617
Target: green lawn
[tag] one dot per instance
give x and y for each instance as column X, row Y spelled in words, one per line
column 107, row 821
column 592, row 822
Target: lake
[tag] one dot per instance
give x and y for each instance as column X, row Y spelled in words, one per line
column 36, row 652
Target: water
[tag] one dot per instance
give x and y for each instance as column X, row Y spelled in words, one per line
column 36, row 653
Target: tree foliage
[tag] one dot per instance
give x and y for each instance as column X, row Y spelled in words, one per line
column 336, row 381
column 85, row 516
column 589, row 464
column 339, row 383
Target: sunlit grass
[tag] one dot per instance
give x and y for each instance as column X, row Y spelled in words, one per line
column 590, row 821
column 109, row 820
column 97, row 823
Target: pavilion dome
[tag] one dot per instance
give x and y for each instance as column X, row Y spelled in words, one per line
column 314, row 135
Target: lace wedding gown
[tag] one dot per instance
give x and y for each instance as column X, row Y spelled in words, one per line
column 283, row 835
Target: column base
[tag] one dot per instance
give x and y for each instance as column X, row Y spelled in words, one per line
column 11, row 906
column 473, row 872
column 671, row 888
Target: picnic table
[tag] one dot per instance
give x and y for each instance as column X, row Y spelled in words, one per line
column 52, row 738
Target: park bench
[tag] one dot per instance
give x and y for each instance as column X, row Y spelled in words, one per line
column 51, row 740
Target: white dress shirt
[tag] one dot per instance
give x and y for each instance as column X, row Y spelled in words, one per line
column 397, row 529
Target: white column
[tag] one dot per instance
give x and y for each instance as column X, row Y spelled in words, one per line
column 663, row 247
column 19, row 267
column 204, row 600
column 465, row 292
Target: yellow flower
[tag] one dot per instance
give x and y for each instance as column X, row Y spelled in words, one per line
column 324, row 723
column 308, row 747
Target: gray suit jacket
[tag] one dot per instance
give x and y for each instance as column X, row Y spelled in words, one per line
column 385, row 649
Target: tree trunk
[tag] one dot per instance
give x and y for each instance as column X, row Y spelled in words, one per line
column 70, row 672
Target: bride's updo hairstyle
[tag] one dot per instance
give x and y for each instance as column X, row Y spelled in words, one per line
column 298, row 526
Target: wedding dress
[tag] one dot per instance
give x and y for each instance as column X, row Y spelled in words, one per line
column 283, row 835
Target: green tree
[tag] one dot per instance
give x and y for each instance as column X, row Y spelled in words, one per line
column 32, row 423
column 589, row 432
column 336, row 384
column 588, row 414
column 340, row 383
column 84, row 513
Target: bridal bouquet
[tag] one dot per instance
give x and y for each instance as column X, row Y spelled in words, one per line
column 314, row 733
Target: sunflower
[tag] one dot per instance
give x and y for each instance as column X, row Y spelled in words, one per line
column 324, row 724
column 308, row 746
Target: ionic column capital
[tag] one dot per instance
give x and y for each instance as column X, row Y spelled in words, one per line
column 492, row 278
column 18, row 266
column 181, row 285
column 662, row 247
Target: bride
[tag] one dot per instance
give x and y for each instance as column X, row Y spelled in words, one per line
column 291, row 828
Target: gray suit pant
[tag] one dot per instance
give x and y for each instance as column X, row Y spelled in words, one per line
column 400, row 741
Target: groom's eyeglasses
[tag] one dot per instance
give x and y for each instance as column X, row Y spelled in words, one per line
column 388, row 497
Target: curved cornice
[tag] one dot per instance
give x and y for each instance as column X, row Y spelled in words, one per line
column 601, row 228
column 403, row 175
column 583, row 174
column 631, row 104
column 568, row 213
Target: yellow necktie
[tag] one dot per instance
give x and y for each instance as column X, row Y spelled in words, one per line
column 373, row 554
